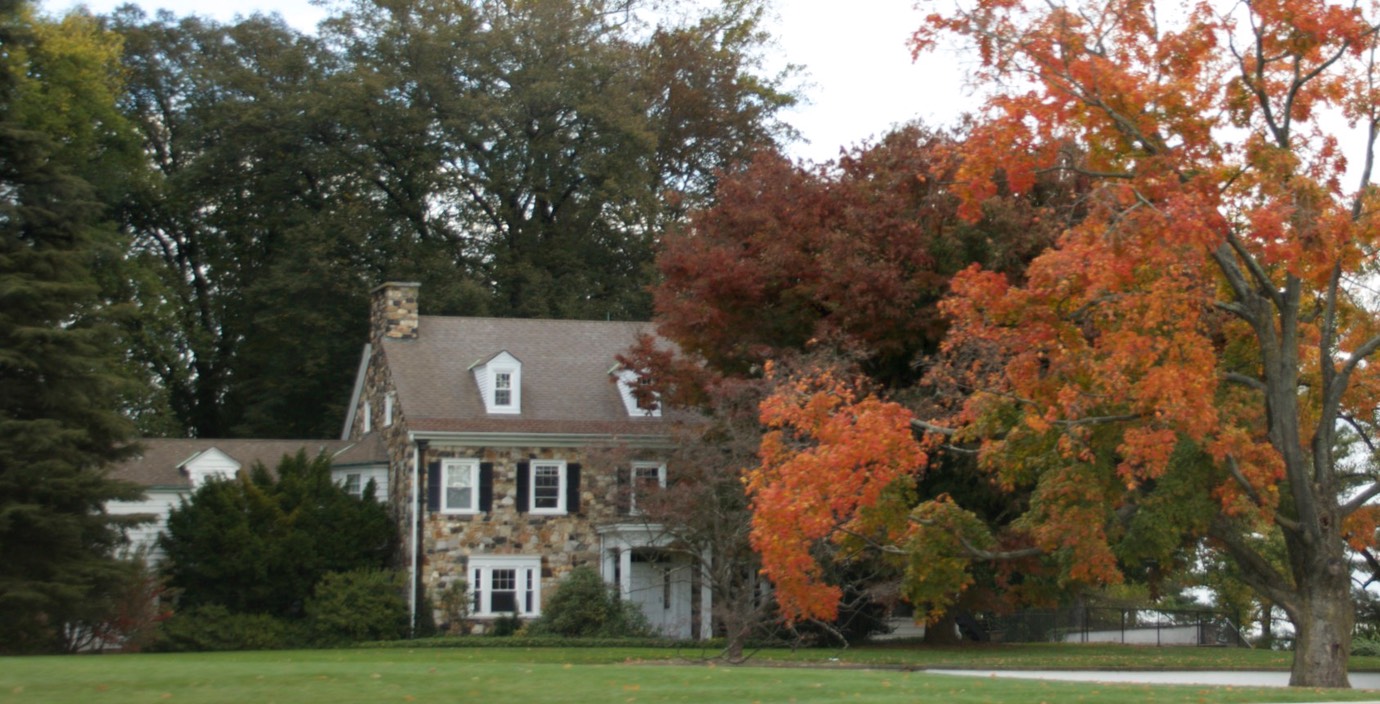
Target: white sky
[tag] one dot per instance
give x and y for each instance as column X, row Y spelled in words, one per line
column 858, row 78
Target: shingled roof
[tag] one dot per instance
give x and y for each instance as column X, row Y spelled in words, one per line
column 566, row 382
column 161, row 461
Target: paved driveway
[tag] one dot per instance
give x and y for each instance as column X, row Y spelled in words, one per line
column 1359, row 680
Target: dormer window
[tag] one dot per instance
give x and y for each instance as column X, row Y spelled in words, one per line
column 638, row 398
column 503, row 388
column 499, row 379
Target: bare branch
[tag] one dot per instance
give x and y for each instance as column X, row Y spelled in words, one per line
column 1235, row 470
column 1360, row 499
column 1247, row 381
column 978, row 553
column 928, row 427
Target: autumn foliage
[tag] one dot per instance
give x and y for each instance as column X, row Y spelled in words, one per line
column 1195, row 346
column 829, row 454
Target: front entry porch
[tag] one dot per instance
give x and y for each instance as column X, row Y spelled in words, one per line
column 666, row 584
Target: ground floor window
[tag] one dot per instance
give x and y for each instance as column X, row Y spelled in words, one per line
column 505, row 584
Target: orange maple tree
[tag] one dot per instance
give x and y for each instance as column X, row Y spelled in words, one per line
column 1195, row 349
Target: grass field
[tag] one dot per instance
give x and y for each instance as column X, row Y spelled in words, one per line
column 557, row 675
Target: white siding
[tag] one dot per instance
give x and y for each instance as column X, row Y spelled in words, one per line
column 379, row 474
column 211, row 463
column 159, row 502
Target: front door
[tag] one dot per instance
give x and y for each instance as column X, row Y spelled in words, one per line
column 661, row 586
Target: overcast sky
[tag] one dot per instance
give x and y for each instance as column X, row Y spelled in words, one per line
column 858, row 77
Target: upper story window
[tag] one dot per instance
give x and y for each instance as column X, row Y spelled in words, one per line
column 460, row 486
column 503, row 388
column 647, row 478
column 549, row 487
column 389, row 400
column 499, row 379
column 368, row 420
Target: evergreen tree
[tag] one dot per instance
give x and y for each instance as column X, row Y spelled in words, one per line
column 61, row 381
column 260, row 543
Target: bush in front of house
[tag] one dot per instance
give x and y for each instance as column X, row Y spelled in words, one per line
column 214, row 627
column 584, row 606
column 360, row 605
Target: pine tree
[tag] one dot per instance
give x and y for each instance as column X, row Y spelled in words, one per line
column 60, row 379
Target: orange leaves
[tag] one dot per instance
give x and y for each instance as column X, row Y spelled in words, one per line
column 830, row 455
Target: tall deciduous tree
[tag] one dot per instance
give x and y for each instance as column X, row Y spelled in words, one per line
column 838, row 267
column 1181, row 364
column 548, row 142
column 61, row 371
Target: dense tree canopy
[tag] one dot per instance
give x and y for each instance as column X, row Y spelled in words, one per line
column 1183, row 363
column 517, row 158
column 62, row 378
column 835, row 267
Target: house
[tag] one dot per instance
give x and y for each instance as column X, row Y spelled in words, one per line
column 171, row 469
column 514, row 450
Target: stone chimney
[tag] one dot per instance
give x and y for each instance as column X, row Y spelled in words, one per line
column 393, row 311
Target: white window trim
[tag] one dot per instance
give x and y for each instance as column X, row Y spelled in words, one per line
column 480, row 575
column 486, row 375
column 627, row 381
column 563, row 471
column 358, row 489
column 388, row 401
column 368, row 421
column 633, row 483
column 453, row 464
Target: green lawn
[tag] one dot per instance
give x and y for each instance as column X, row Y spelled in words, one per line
column 551, row 675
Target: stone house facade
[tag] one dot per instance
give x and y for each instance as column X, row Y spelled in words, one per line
column 515, row 450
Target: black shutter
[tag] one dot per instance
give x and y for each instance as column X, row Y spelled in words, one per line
column 433, row 486
column 486, row 486
column 624, row 500
column 523, row 480
column 572, row 487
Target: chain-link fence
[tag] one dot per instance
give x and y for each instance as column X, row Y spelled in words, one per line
column 1107, row 625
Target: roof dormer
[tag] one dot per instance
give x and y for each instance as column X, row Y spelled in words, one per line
column 640, row 401
column 499, row 378
column 209, row 464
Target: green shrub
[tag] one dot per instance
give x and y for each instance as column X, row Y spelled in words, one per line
column 1365, row 647
column 455, row 607
column 359, row 605
column 214, row 627
column 260, row 542
column 584, row 606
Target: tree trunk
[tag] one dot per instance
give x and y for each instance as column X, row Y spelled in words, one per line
column 943, row 632
column 1322, row 631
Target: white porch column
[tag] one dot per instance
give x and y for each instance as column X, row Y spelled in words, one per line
column 706, row 598
column 624, row 571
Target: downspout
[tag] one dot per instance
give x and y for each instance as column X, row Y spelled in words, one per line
column 419, row 447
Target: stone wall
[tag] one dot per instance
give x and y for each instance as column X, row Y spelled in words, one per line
column 564, row 542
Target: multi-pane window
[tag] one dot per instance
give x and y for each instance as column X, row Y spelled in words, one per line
column 503, row 388
column 460, row 485
column 647, row 477
column 354, row 485
column 548, row 486
column 503, row 584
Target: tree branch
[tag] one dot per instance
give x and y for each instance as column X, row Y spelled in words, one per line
column 976, row 552
column 1360, row 499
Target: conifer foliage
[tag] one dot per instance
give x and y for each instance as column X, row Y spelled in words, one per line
column 60, row 379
